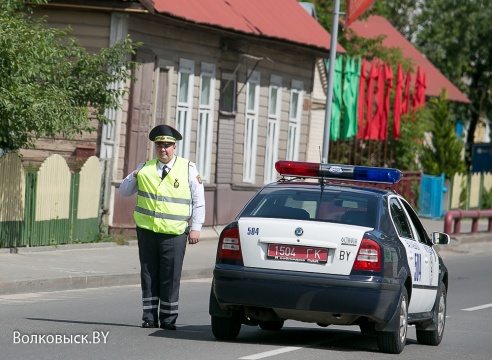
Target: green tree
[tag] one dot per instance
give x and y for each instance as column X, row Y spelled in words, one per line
column 50, row 85
column 409, row 148
column 444, row 154
column 455, row 36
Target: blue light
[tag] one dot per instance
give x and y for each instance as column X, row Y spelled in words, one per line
column 373, row 174
column 338, row 172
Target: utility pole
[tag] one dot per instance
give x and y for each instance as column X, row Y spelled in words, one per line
column 329, row 91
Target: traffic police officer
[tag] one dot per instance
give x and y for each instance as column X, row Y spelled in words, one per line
column 170, row 193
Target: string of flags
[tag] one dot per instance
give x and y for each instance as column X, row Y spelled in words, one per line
column 362, row 90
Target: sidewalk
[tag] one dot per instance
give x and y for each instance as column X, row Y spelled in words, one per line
column 107, row 264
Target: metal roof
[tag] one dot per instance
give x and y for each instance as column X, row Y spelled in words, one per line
column 284, row 20
column 375, row 26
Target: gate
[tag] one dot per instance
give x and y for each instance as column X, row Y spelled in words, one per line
column 432, row 190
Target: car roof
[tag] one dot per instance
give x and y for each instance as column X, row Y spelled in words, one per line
column 375, row 189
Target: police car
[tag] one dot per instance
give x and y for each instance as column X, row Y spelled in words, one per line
column 315, row 247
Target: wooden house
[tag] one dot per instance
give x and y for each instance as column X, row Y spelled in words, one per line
column 234, row 77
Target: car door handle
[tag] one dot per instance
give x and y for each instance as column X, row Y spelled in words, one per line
column 410, row 257
column 426, row 259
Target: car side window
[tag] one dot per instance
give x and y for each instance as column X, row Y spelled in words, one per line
column 419, row 229
column 400, row 219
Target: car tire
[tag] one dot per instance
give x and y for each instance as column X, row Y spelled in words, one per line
column 433, row 337
column 226, row 328
column 393, row 342
column 271, row 325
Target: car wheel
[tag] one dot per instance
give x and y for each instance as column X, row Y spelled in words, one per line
column 226, row 328
column 434, row 336
column 393, row 342
column 271, row 325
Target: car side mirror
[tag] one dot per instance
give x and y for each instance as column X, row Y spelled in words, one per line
column 439, row 238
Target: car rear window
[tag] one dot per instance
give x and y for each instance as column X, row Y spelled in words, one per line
column 346, row 207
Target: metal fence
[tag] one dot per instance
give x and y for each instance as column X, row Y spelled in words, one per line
column 50, row 207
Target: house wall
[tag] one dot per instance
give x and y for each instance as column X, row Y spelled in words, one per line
column 93, row 33
column 318, row 111
column 170, row 41
column 226, row 193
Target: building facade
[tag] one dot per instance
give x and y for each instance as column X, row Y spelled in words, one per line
column 241, row 94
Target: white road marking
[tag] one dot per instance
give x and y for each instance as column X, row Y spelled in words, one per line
column 270, row 353
column 281, row 351
column 478, row 307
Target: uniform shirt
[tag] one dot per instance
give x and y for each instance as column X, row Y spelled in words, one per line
column 129, row 186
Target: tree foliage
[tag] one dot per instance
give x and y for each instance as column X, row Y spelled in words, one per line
column 444, row 153
column 409, row 148
column 455, row 36
column 49, row 83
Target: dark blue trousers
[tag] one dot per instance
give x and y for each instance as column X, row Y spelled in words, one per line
column 161, row 262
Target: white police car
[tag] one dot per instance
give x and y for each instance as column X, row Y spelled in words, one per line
column 330, row 253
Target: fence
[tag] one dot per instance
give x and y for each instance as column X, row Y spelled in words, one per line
column 467, row 192
column 432, row 191
column 50, row 207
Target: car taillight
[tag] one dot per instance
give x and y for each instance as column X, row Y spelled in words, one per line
column 229, row 248
column 369, row 256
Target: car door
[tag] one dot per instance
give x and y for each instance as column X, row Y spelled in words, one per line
column 406, row 235
column 430, row 262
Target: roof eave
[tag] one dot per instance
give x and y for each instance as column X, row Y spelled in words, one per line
column 320, row 52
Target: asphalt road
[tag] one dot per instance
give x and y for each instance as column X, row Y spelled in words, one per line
column 105, row 324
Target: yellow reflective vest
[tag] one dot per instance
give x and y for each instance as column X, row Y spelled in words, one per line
column 163, row 206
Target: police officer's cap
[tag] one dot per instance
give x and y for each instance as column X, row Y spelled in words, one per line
column 164, row 133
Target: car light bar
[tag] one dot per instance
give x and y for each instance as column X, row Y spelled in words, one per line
column 338, row 172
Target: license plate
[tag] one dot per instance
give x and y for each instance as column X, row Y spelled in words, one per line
column 297, row 253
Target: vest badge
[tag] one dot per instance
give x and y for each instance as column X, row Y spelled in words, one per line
column 176, row 183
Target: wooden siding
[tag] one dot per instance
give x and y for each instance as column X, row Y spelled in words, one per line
column 316, row 133
column 172, row 42
column 317, row 120
column 226, row 149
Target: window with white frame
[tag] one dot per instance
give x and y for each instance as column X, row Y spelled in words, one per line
column 295, row 113
column 251, row 125
column 227, row 99
column 186, row 76
column 273, row 128
column 205, row 121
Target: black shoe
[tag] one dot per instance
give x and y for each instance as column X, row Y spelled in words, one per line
column 149, row 324
column 168, row 326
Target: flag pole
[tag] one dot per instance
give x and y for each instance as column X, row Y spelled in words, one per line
column 329, row 90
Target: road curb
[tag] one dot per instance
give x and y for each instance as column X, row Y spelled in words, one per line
column 87, row 282
column 21, row 250
column 473, row 238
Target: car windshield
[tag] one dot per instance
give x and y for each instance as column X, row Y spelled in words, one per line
column 337, row 205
